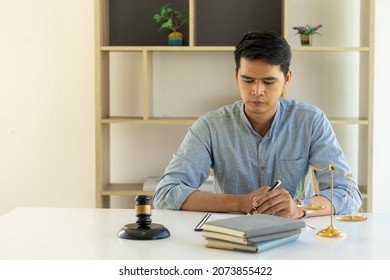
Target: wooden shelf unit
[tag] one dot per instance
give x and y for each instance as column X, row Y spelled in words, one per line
column 104, row 48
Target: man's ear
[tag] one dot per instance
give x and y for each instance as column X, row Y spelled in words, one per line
column 235, row 73
column 288, row 78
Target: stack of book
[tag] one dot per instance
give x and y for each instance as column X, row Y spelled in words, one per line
column 255, row 233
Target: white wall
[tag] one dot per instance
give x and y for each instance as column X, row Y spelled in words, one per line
column 46, row 103
column 381, row 178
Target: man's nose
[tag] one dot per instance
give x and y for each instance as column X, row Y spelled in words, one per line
column 257, row 89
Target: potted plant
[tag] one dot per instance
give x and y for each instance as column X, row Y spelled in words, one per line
column 171, row 19
column 306, row 33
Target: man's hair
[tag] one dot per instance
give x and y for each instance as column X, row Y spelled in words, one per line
column 269, row 46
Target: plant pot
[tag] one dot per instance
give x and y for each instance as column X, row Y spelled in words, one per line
column 306, row 40
column 175, row 39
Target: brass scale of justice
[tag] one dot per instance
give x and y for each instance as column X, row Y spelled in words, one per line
column 331, row 231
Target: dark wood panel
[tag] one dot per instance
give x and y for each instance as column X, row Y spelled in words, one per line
column 223, row 22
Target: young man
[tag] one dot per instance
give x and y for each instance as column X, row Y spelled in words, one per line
column 256, row 141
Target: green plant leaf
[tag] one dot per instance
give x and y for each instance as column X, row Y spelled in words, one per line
column 170, row 18
column 170, row 22
column 163, row 10
column 167, row 24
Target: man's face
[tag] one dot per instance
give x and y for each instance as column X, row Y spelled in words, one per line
column 260, row 84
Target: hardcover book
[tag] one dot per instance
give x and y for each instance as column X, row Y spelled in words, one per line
column 251, row 240
column 212, row 217
column 254, row 225
column 251, row 248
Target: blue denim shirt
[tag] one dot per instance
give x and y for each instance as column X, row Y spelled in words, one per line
column 224, row 140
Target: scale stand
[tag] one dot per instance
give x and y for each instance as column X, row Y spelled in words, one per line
column 331, row 231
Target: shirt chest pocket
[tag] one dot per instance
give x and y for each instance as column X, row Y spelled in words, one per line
column 291, row 173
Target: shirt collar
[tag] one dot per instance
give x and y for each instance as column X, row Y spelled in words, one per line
column 274, row 122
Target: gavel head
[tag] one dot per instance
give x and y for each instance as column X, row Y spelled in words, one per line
column 143, row 210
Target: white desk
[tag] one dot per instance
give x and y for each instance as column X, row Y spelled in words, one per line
column 56, row 233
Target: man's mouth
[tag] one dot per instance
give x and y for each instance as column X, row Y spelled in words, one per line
column 257, row 102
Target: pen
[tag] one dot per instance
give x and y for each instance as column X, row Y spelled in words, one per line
column 274, row 186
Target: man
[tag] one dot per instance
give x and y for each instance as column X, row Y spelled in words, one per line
column 256, row 141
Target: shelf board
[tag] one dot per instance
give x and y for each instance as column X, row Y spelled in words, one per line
column 346, row 121
column 329, row 49
column 167, row 48
column 140, row 120
column 129, row 189
column 190, row 120
column 224, row 48
column 124, row 190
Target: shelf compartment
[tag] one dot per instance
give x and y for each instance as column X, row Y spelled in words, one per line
column 131, row 22
column 139, row 151
column 314, row 83
column 216, row 21
column 344, row 22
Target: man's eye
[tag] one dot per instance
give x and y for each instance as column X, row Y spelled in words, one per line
column 248, row 80
column 269, row 82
